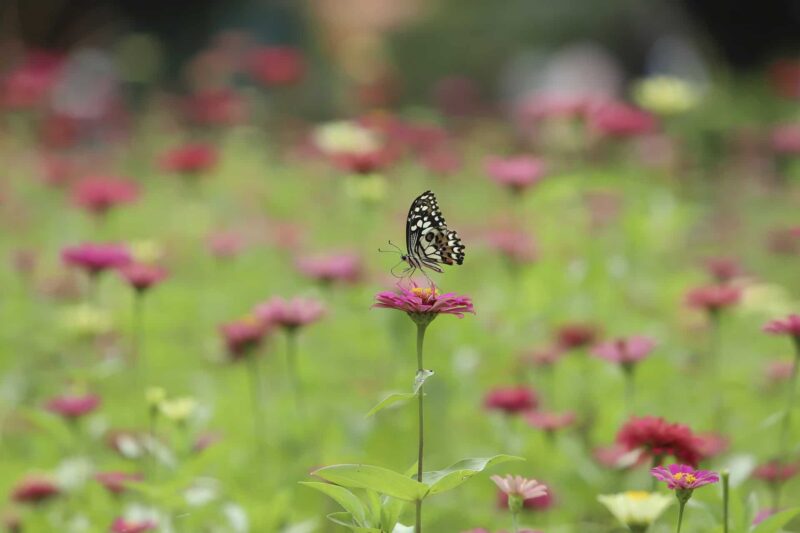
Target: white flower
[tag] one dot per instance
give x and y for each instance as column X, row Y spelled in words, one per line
column 636, row 508
column 345, row 136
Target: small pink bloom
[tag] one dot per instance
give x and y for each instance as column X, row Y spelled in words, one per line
column 538, row 503
column 511, row 400
column 684, row 477
column 762, row 515
column 545, row 357
column 116, row 482
column 789, row 325
column 550, row 421
column 441, row 161
column 216, row 107
column 363, row 162
column 122, row 525
column 243, row 336
column 142, row 276
column 778, row 371
column 289, row 314
column 625, row 351
column 785, row 140
column 516, row 173
column 658, row 438
column 519, row 486
column 190, row 159
column 73, row 405
column 515, row 245
column 713, row 298
column 712, row 444
column 224, row 245
column 576, row 335
column 616, row 456
column 343, row 267
column 723, row 269
column 34, row 489
column 98, row 195
column 95, row 258
column 776, row 472
column 277, row 65
column 615, row 119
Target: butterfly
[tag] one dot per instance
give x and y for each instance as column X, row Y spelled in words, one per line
column 429, row 243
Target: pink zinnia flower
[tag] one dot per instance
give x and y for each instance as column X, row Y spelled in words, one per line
column 617, row 456
column 35, row 489
column 777, row 371
column 658, row 438
column 785, row 140
column 344, row 267
column 99, row 194
column 277, row 65
column 73, row 405
column 775, row 472
column 789, row 325
column 423, row 304
column 625, row 351
column 550, row 421
column 615, row 119
column 224, row 245
column 441, row 161
column 142, row 276
column 684, row 477
column 516, row 173
column 122, row 525
column 713, row 298
column 517, row 246
column 576, row 335
column 116, row 482
column 289, row 314
column 511, row 400
column 243, row 336
column 723, row 269
column 545, row 357
column 712, row 444
column 519, row 486
column 190, row 159
column 95, row 258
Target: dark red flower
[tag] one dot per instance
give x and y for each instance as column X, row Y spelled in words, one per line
column 242, row 336
column 99, row 194
column 511, row 400
column 576, row 335
column 776, row 472
column 277, row 65
column 34, row 489
column 190, row 159
column 122, row 525
column 658, row 438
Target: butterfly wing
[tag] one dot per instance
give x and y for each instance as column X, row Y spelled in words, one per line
column 428, row 240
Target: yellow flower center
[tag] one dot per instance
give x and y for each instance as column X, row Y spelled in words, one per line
column 689, row 478
column 637, row 495
column 425, row 292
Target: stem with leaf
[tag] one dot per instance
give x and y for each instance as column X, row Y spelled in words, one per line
column 421, row 441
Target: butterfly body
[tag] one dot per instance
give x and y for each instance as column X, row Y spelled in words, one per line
column 429, row 243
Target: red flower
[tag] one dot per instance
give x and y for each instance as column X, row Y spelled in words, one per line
column 614, row 119
column 277, row 65
column 73, row 405
column 659, row 438
column 242, row 336
column 142, row 276
column 95, row 258
column 785, row 326
column 713, row 298
column 511, row 400
column 785, row 140
column 122, row 525
column 190, row 159
column 28, row 85
column 550, row 421
column 775, row 472
column 576, row 335
column 363, row 162
column 99, row 194
column 34, row 489
column 115, row 482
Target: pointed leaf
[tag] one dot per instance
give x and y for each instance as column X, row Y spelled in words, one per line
column 455, row 475
column 344, row 519
column 390, row 512
column 395, row 397
column 421, row 377
column 375, row 478
column 343, row 497
column 774, row 523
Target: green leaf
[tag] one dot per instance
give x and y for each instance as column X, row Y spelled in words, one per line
column 343, row 497
column 344, row 519
column 390, row 512
column 375, row 478
column 455, row 475
column 774, row 523
column 395, row 397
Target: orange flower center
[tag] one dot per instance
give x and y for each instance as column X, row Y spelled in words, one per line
column 426, row 293
column 689, row 478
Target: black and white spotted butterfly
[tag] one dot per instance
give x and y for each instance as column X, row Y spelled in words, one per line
column 428, row 241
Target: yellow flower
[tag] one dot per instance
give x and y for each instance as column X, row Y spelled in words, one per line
column 178, row 409
column 666, row 95
column 345, row 136
column 636, row 509
column 85, row 320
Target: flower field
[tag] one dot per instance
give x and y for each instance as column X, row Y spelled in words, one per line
column 219, row 314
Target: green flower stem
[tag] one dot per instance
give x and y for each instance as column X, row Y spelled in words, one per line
column 515, row 522
column 680, row 514
column 255, row 396
column 786, row 426
column 137, row 334
column 726, row 494
column 630, row 388
column 421, row 327
column 291, row 365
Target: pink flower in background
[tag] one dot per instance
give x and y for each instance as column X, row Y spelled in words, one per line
column 723, row 269
column 98, row 195
column 519, row 486
column 362, row 162
column 442, row 161
column 225, row 244
column 457, row 96
column 116, row 482
column 142, row 276
column 712, row 444
column 35, row 489
column 658, row 438
column 190, row 159
column 289, row 314
column 95, row 258
column 511, row 400
column 553, row 106
column 243, row 336
column 545, row 357
column 762, row 515
column 343, row 267
column 684, row 477
column 277, row 65
column 713, row 298
column 576, row 335
column 28, row 85
column 549, row 421
column 515, row 245
column 617, row 456
column 73, row 405
column 615, row 119
column 216, row 107
column 516, row 173
column 784, row 241
column 785, row 140
column 778, row 371
column 789, row 325
column 625, row 351
column 121, row 525
column 539, row 503
column 424, row 303
column 776, row 472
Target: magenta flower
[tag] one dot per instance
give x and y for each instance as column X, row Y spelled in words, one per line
column 121, row 525
column 516, row 173
column 116, row 482
column 776, row 472
column 142, row 276
column 95, row 258
column 423, row 304
column 576, row 335
column 713, row 298
column 190, row 159
column 658, row 438
column 243, row 336
column 511, row 400
column 73, row 406
column 684, row 477
column 99, row 194
column 616, row 119
column 548, row 421
column 789, row 325
column 625, row 351
column 723, row 269
column 277, row 65
column 34, row 489
column 289, row 314
column 224, row 245
column 545, row 357
column 327, row 269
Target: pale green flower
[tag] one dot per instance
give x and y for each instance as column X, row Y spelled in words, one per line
column 636, row 509
column 666, row 95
